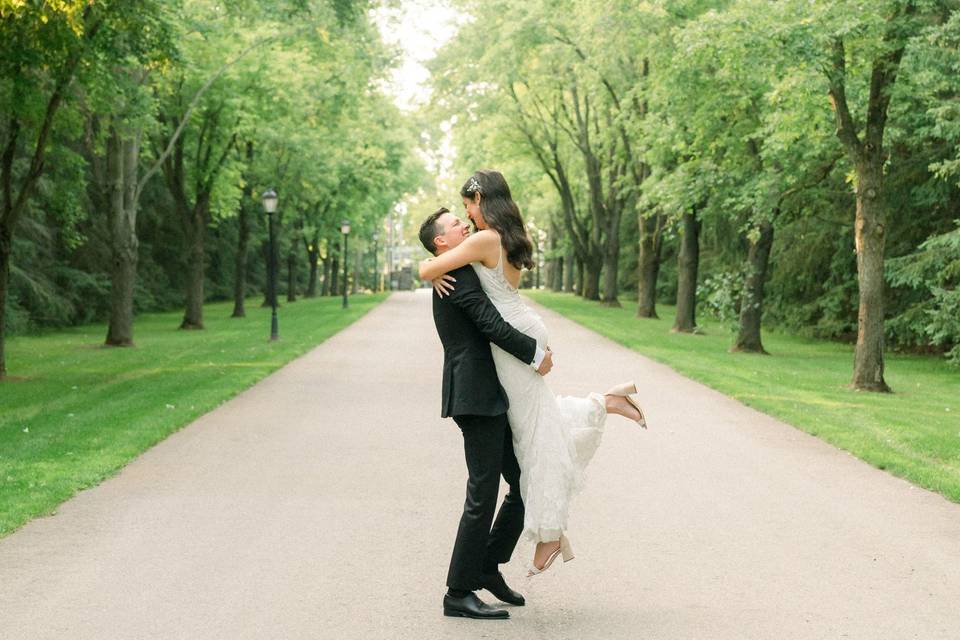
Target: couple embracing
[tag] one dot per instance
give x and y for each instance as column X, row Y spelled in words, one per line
column 512, row 424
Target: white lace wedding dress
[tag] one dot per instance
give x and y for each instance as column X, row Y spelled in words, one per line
column 554, row 437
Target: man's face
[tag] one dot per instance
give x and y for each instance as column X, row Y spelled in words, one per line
column 454, row 232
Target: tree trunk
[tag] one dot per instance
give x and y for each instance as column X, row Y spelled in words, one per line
column 313, row 256
column 243, row 241
column 688, row 262
column 6, row 248
column 240, row 270
column 357, row 270
column 870, row 238
column 196, row 228
column 568, row 273
column 591, row 286
column 581, row 282
column 123, row 156
column 611, row 265
column 651, row 245
column 751, row 301
column 312, row 284
column 292, row 273
column 334, row 276
column 867, row 156
column 325, row 287
column 556, row 282
column 267, row 283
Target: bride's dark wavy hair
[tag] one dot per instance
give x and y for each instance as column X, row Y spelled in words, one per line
column 501, row 214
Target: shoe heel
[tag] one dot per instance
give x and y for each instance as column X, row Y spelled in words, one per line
column 565, row 549
column 643, row 420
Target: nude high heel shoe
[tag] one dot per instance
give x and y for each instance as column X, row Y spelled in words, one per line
column 628, row 390
column 564, row 550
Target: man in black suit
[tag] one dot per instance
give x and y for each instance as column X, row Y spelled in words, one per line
column 467, row 323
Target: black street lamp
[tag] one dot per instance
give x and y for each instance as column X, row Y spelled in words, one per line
column 376, row 274
column 269, row 199
column 345, row 230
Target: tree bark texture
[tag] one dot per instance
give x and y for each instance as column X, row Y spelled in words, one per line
column 243, row 243
column 870, row 238
column 751, row 300
column 240, row 268
column 325, row 286
column 335, row 276
column 556, row 281
column 196, row 226
column 313, row 257
column 123, row 156
column 591, row 278
column 568, row 272
column 267, row 274
column 651, row 246
column 292, row 273
column 6, row 248
column 611, row 265
column 580, row 282
column 357, row 270
column 688, row 263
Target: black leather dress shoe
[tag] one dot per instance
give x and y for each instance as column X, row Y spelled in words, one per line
column 470, row 606
column 495, row 584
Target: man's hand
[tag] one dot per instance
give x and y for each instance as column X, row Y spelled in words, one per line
column 442, row 284
column 547, row 363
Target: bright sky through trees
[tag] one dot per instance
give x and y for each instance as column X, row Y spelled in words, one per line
column 418, row 28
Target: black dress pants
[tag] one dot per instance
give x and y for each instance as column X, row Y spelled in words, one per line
column 488, row 448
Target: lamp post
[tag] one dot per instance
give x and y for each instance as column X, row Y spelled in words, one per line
column 269, row 198
column 376, row 274
column 345, row 230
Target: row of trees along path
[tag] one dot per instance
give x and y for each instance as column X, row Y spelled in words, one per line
column 187, row 112
column 675, row 127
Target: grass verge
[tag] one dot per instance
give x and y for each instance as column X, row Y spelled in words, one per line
column 913, row 433
column 74, row 412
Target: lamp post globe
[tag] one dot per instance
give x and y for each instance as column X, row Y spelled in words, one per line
column 345, row 230
column 269, row 199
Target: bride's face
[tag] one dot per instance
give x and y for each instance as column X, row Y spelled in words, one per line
column 472, row 207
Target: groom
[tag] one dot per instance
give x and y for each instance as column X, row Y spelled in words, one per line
column 467, row 323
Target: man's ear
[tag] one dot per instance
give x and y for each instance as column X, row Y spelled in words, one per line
column 439, row 240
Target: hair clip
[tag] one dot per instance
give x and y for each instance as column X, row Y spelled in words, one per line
column 474, row 186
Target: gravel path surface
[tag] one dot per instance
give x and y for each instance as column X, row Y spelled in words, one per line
column 323, row 502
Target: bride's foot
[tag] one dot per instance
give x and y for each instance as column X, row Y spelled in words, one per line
column 544, row 553
column 621, row 400
column 547, row 552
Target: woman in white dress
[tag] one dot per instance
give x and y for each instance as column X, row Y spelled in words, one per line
column 554, row 437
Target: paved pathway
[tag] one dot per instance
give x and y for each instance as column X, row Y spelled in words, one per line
column 323, row 502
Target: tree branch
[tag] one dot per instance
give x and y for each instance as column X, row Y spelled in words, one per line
column 836, row 74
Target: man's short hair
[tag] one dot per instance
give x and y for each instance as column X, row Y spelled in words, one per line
column 430, row 230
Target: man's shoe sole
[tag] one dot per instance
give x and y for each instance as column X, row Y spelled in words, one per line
column 453, row 613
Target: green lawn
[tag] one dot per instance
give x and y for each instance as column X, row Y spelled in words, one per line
column 913, row 433
column 74, row 412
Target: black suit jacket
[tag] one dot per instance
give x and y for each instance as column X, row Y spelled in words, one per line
column 467, row 323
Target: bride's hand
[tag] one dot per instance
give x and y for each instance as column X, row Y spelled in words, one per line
column 442, row 284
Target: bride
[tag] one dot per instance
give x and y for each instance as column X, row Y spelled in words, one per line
column 554, row 437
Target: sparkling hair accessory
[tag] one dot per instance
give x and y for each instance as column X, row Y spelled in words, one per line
column 474, row 186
